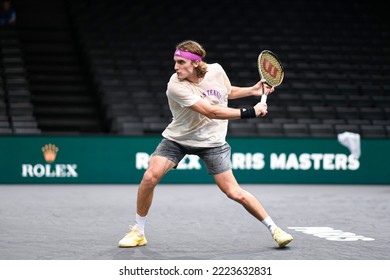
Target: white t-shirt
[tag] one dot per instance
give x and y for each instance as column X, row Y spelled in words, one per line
column 189, row 127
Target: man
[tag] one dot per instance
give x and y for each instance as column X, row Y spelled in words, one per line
column 198, row 94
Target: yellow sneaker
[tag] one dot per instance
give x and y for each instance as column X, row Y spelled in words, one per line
column 281, row 237
column 133, row 238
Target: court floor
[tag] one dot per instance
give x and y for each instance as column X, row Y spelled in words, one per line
column 194, row 222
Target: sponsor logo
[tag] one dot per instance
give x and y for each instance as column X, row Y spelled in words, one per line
column 270, row 68
column 49, row 170
column 50, row 152
column 314, row 161
column 331, row 234
column 258, row 161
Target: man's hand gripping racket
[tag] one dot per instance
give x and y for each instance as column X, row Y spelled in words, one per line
column 270, row 69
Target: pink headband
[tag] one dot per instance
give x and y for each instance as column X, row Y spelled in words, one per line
column 187, row 55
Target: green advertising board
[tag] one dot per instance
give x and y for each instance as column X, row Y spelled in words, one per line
column 123, row 160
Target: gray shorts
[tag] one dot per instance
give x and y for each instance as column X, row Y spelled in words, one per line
column 216, row 159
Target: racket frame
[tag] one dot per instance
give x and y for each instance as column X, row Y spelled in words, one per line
column 264, row 96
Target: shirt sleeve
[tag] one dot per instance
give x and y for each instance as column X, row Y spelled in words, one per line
column 226, row 80
column 182, row 94
column 227, row 83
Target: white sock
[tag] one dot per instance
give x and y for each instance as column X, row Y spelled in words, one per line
column 269, row 223
column 140, row 222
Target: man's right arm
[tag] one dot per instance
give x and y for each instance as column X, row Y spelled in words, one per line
column 225, row 113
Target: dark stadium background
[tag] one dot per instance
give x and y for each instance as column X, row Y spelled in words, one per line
column 79, row 67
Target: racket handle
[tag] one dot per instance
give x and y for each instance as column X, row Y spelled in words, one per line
column 263, row 99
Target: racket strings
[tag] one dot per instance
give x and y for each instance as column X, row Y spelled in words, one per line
column 270, row 69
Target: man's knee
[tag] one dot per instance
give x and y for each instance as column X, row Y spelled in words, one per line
column 150, row 178
column 235, row 193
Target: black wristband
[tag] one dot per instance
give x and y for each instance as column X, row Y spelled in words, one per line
column 247, row 113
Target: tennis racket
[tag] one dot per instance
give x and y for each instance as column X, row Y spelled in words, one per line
column 270, row 69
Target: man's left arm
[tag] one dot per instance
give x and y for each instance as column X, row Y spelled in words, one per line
column 255, row 90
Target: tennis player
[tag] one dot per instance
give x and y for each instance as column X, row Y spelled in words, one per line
column 198, row 96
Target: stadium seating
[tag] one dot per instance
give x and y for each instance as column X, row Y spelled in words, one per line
column 335, row 54
column 16, row 107
column 46, row 87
